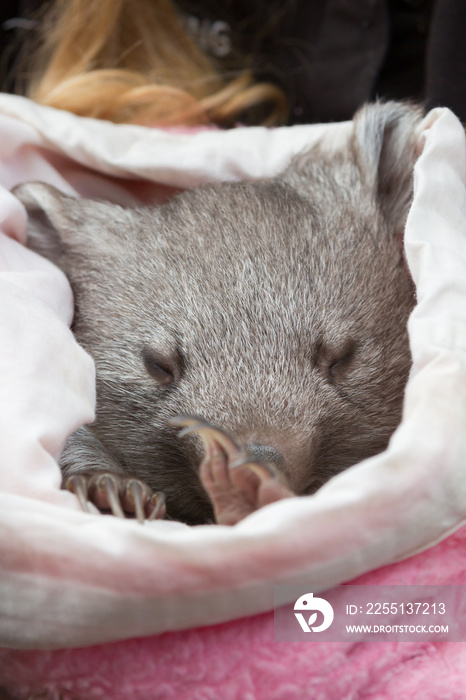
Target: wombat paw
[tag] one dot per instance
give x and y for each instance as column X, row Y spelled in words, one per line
column 124, row 497
column 237, row 484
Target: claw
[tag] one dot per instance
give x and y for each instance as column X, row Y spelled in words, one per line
column 78, row 485
column 124, row 497
column 263, row 469
column 134, row 497
column 209, row 433
column 104, row 490
column 213, row 436
column 186, row 421
column 157, row 504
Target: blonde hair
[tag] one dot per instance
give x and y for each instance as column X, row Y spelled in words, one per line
column 132, row 61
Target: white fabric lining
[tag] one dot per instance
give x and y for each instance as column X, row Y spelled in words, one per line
column 73, row 579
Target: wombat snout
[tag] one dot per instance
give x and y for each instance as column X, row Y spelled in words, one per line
column 265, row 453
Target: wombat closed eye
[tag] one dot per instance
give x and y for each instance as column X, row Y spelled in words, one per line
column 275, row 310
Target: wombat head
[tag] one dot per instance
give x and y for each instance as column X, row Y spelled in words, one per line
column 275, row 309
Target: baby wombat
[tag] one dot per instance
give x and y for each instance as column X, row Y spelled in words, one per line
column 274, row 309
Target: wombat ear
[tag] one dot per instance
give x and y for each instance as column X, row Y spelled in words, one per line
column 385, row 146
column 58, row 223
column 50, row 218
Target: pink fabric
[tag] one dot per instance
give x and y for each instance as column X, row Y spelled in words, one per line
column 240, row 661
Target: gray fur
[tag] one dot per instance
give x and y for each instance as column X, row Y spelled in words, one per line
column 278, row 308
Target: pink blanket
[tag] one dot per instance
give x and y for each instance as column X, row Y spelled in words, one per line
column 71, row 579
column 240, row 661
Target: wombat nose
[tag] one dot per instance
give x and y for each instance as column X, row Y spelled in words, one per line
column 265, row 453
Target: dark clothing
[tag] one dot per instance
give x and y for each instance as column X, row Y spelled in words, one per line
column 324, row 54
column 446, row 59
column 328, row 56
